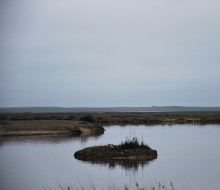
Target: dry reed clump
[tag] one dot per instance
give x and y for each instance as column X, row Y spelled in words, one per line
column 132, row 144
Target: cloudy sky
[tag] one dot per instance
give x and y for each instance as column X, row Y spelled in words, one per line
column 109, row 53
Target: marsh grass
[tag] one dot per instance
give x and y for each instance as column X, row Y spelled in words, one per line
column 132, row 144
column 91, row 186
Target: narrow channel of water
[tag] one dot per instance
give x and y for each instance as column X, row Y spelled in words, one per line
column 188, row 155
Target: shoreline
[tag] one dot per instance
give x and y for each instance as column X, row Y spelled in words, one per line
column 77, row 124
column 49, row 127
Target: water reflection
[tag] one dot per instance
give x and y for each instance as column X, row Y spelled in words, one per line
column 48, row 139
column 128, row 165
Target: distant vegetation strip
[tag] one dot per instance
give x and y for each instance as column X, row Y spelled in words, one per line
column 117, row 117
column 105, row 109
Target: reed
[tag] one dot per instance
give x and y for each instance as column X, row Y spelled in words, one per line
column 132, row 144
column 151, row 186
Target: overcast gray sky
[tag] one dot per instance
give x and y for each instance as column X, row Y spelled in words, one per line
column 109, row 53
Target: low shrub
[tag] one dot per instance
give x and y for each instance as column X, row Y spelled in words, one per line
column 87, row 118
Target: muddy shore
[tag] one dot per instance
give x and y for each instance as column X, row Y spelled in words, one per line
column 48, row 127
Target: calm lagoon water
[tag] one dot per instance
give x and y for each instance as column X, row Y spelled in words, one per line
column 188, row 155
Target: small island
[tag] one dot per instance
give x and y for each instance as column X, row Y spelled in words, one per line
column 128, row 150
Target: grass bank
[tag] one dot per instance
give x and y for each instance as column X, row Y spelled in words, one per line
column 120, row 117
column 91, row 122
column 48, row 127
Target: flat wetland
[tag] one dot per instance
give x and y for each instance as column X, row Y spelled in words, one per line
column 187, row 145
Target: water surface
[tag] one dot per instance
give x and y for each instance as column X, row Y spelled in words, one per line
column 188, row 155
